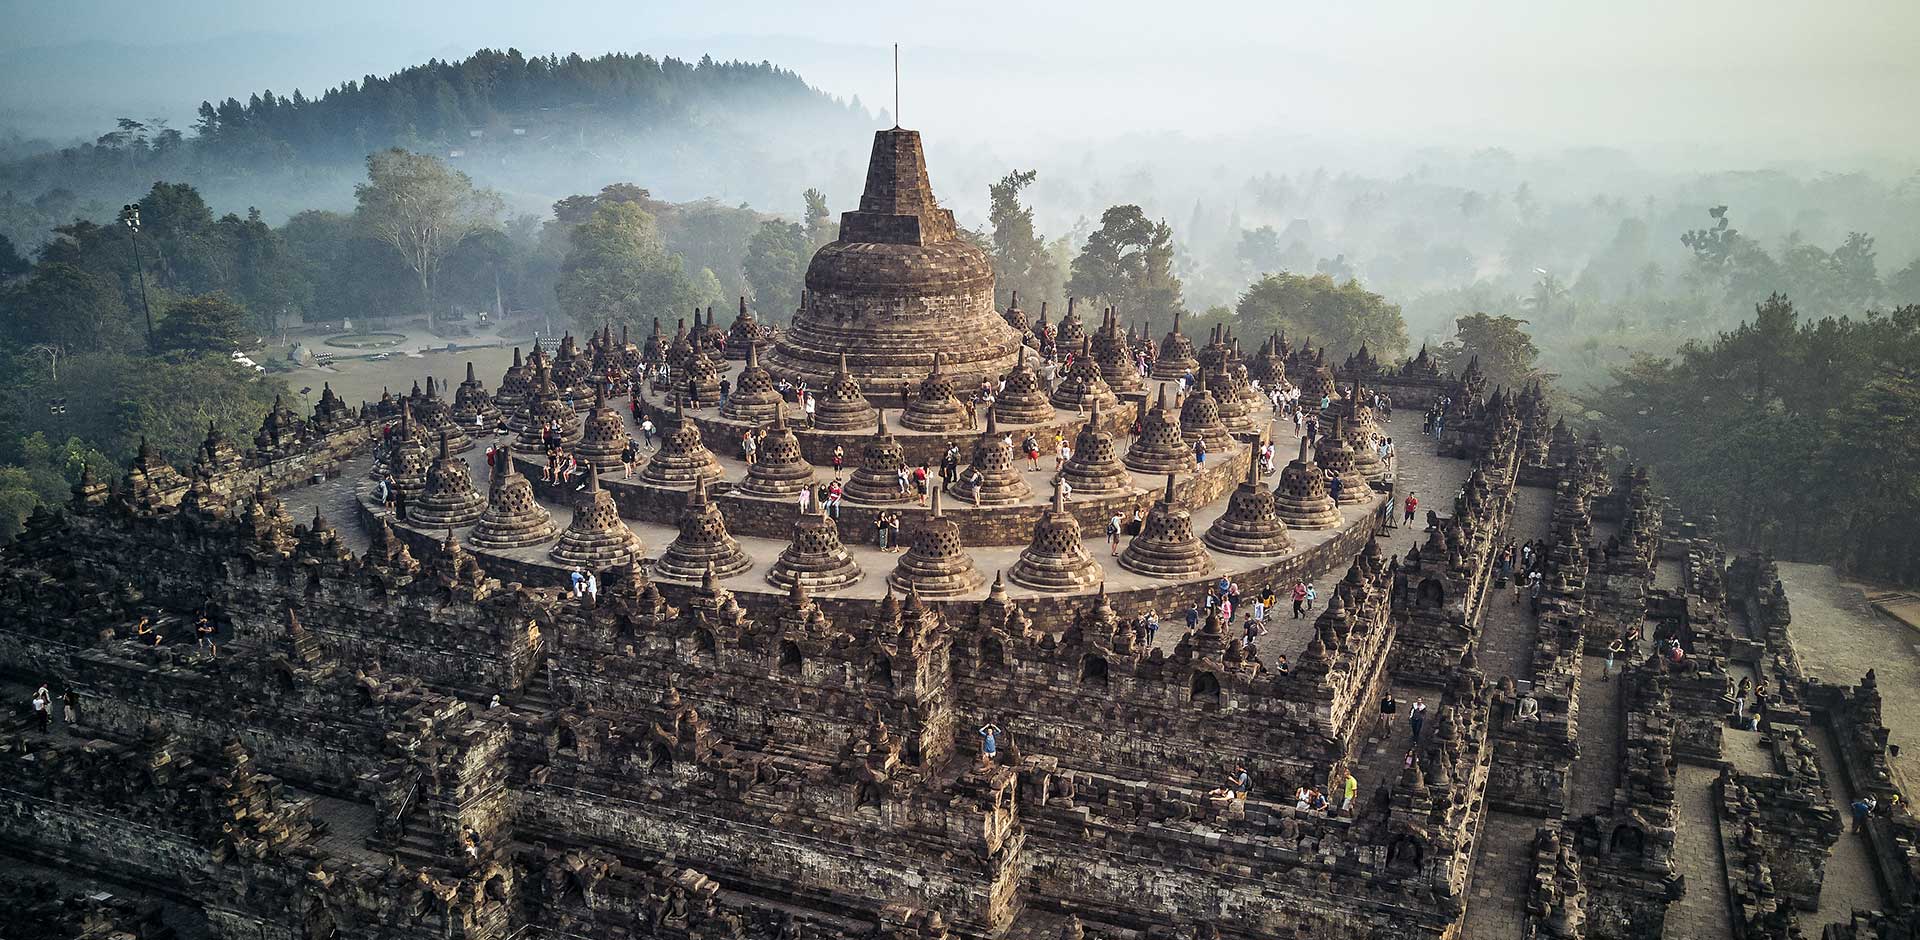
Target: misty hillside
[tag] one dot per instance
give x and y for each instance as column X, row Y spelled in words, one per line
column 535, row 129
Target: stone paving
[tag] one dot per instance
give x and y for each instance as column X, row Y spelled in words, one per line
column 1850, row 881
column 1596, row 767
column 1502, row 865
column 1702, row 912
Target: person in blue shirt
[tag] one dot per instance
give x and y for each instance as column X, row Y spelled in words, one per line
column 989, row 742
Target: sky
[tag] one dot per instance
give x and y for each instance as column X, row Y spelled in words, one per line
column 1683, row 81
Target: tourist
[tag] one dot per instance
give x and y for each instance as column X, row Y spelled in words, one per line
column 1241, row 783
column 1200, row 451
column 901, row 480
column 920, row 482
column 1348, row 788
column 808, row 408
column 1740, row 696
column 69, row 707
column 1137, row 524
column 806, row 498
column 593, row 586
column 1031, row 448
column 1113, row 534
column 1862, row 808
column 989, row 743
column 834, row 491
column 893, row 530
column 630, row 456
column 42, row 702
column 1413, row 503
column 747, row 448
column 1313, row 594
column 1153, row 626
column 1282, row 666
column 144, row 632
column 203, row 632
column 1299, row 599
column 579, row 580
column 950, row 466
column 1388, row 708
column 880, row 528
column 1417, row 716
column 1614, row 649
column 1193, row 616
column 646, row 431
column 839, row 458
column 1383, row 801
column 1334, row 486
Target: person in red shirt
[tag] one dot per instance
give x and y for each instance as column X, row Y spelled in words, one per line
column 1412, row 504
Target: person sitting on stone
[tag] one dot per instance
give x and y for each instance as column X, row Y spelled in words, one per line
column 145, row 633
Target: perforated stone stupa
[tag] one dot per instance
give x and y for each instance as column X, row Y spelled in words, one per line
column 1159, row 447
column 1166, row 547
column 703, row 544
column 1300, row 498
column 815, row 559
column 449, row 500
column 1056, row 560
column 842, row 406
column 936, row 565
column 1021, row 400
column 1176, row 355
column 780, row 471
column 934, row 407
column 513, row 518
column 596, row 539
column 1333, row 456
column 754, row 397
column 603, row 436
column 897, row 285
column 1095, row 468
column 992, row 479
column 683, row 457
column 1251, row 525
column 877, row 478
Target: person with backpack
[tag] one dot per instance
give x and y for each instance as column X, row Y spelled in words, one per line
column 1113, row 534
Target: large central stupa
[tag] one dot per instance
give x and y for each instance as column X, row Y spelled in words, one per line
column 899, row 285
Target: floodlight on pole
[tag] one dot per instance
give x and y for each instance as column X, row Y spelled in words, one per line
column 130, row 217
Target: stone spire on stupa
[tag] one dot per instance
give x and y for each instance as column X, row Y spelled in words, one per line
column 1083, row 385
column 1176, row 355
column 877, row 479
column 753, row 398
column 603, row 436
column 815, row 559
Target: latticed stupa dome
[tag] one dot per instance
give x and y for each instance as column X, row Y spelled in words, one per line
column 1300, row 498
column 703, row 544
column 815, row 558
column 449, row 500
column 1176, row 355
column 1159, row 448
column 513, row 518
column 596, row 538
column 1056, row 560
column 1021, row 400
column 896, row 286
column 1166, row 547
column 937, row 565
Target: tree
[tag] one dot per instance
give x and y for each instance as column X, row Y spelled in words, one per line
column 618, row 269
column 1259, row 251
column 1342, row 317
column 1021, row 260
column 776, row 266
column 209, row 323
column 1548, row 292
column 66, row 306
column 1128, row 262
column 11, row 264
column 1506, row 353
column 420, row 208
column 1904, row 286
column 821, row 228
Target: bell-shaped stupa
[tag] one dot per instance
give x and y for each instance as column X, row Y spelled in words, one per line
column 898, row 284
column 1159, row 448
column 936, row 565
column 1056, row 560
column 596, row 539
column 1166, row 547
column 449, row 500
column 1251, row 525
column 1300, row 499
column 703, row 543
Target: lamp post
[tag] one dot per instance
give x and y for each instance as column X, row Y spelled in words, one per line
column 130, row 217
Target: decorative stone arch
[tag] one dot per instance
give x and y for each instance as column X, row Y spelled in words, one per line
column 1204, row 688
column 704, row 642
column 1627, row 840
column 565, row 738
column 1093, row 669
column 1406, row 852
column 659, row 756
column 1431, row 593
column 791, row 660
column 993, row 652
column 880, row 671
